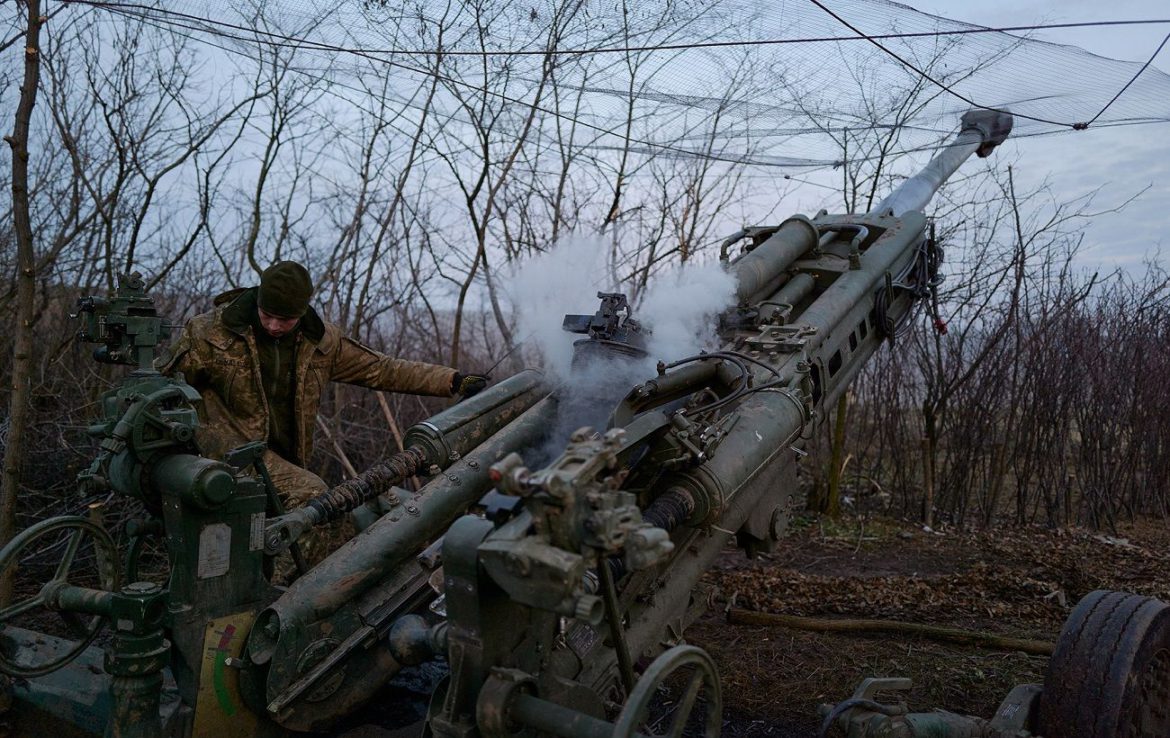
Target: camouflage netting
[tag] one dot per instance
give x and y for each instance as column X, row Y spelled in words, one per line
column 765, row 83
column 416, row 157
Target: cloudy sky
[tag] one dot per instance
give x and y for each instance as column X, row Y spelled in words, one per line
column 1119, row 161
column 1062, row 84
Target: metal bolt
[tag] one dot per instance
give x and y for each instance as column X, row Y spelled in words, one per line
column 142, row 588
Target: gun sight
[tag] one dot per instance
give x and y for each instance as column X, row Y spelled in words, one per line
column 127, row 323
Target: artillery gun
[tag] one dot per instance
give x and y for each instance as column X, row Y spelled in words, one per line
column 555, row 587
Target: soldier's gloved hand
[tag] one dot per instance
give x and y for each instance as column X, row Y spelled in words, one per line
column 468, row 385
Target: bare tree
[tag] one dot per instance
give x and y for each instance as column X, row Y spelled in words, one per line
column 25, row 278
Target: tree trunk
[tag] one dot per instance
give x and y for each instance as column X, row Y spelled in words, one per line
column 25, row 278
column 933, row 632
column 929, row 444
column 833, row 499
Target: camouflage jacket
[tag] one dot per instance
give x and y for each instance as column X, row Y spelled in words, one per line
column 217, row 355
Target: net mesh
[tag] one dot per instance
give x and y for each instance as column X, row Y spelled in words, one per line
column 780, row 84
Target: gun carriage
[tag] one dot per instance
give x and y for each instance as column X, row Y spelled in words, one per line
column 559, row 607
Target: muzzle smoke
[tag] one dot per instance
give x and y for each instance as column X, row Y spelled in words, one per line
column 679, row 311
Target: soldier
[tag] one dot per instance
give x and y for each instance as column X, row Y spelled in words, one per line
column 261, row 360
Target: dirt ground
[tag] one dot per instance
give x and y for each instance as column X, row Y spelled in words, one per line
column 1018, row 582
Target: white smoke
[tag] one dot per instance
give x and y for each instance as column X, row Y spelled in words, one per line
column 564, row 280
column 682, row 308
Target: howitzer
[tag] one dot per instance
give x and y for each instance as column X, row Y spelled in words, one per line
column 558, row 605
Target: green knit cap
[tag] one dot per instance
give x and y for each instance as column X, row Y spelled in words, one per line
column 285, row 289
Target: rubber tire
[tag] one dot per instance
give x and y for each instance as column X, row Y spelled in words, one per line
column 1112, row 646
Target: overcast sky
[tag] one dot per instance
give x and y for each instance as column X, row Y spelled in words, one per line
column 1121, row 161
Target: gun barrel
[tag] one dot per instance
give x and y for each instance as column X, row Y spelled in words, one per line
column 391, row 540
column 463, row 426
column 763, row 264
column 981, row 132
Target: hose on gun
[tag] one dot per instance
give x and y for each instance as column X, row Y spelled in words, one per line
column 843, row 707
column 920, row 278
column 740, row 362
column 353, row 493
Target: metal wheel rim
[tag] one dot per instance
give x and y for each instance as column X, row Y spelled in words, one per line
column 654, row 676
column 108, row 575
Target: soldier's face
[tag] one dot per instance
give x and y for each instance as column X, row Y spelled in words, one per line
column 276, row 326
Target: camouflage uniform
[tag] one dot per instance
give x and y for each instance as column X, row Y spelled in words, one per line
column 218, row 355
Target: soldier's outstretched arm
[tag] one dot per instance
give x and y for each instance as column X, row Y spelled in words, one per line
column 358, row 364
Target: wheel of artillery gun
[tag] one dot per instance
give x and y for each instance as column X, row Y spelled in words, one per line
column 1110, row 674
column 700, row 678
column 56, row 544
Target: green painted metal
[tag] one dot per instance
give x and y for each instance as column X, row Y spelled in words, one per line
column 17, row 660
column 212, row 515
column 863, row 716
column 73, row 701
column 763, row 264
column 553, row 719
column 707, row 448
column 617, row 527
column 135, row 661
column 380, row 582
column 458, row 429
column 139, row 651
